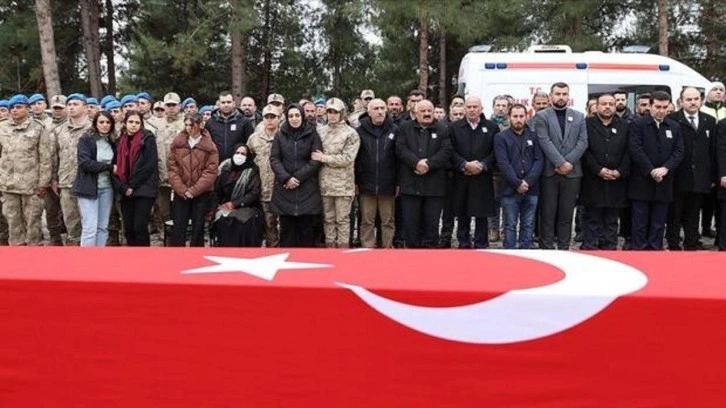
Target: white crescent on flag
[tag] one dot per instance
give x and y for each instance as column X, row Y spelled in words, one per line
column 589, row 285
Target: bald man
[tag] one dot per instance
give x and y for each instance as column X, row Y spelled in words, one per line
column 424, row 150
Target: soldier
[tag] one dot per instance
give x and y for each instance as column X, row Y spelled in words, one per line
column 53, row 214
column 129, row 102
column 261, row 143
column 25, row 166
column 366, row 96
column 320, row 113
column 65, row 163
column 337, row 184
column 39, row 105
column 4, row 109
column 105, row 100
column 172, row 124
column 189, row 105
column 144, row 101
column 92, row 107
column 159, row 111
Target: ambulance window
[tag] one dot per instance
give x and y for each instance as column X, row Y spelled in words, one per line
column 594, row 90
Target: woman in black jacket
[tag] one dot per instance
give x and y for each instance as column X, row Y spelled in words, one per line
column 239, row 221
column 296, row 195
column 136, row 178
column 93, row 180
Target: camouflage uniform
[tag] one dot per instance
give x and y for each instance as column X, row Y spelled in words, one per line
column 337, row 179
column 65, row 167
column 260, row 143
column 25, row 165
column 354, row 118
column 53, row 214
column 167, row 129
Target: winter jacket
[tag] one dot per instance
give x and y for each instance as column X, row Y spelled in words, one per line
column 291, row 157
column 192, row 169
column 376, row 166
column 229, row 132
column 415, row 142
column 607, row 147
column 144, row 178
column 86, row 182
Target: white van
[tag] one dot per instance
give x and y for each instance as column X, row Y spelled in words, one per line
column 590, row 73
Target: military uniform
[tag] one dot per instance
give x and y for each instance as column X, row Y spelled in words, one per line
column 65, row 166
column 25, row 166
column 166, row 130
column 260, row 143
column 53, row 214
column 337, row 178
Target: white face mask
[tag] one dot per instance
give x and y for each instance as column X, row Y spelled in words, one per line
column 239, row 159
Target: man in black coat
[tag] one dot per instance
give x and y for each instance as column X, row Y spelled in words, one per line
column 228, row 126
column 424, row 150
column 694, row 176
column 606, row 166
column 473, row 160
column 376, row 174
column 721, row 182
column 656, row 149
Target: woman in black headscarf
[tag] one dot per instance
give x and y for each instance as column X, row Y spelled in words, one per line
column 238, row 221
column 296, row 196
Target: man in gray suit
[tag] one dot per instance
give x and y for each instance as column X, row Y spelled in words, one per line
column 562, row 136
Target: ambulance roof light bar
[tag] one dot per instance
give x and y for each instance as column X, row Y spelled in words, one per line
column 636, row 49
column 481, row 48
column 550, row 48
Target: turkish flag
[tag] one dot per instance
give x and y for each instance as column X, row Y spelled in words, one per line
column 117, row 327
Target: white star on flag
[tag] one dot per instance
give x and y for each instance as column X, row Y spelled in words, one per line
column 265, row 267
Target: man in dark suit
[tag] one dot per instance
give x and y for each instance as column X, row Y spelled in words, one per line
column 563, row 138
column 606, row 166
column 656, row 149
column 694, row 176
column 424, row 151
column 473, row 160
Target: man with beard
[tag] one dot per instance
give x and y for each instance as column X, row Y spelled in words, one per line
column 310, row 112
column 540, row 101
column 621, row 106
column 228, row 126
column 249, row 110
column 144, row 104
column 656, row 150
column 521, row 161
column 424, row 149
column 394, row 105
column 642, row 105
column 694, row 176
column 606, row 166
column 414, row 97
column 562, row 134
column 473, row 159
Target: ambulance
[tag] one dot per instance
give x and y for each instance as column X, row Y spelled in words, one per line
column 588, row 74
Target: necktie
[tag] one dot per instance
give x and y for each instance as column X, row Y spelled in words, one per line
column 693, row 122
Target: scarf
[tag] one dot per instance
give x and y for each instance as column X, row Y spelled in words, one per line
column 129, row 148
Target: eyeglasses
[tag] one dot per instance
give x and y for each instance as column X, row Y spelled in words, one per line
column 367, row 99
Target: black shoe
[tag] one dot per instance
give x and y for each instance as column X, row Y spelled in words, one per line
column 578, row 237
column 445, row 244
column 709, row 233
column 628, row 245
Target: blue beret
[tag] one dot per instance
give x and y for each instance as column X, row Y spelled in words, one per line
column 187, row 102
column 206, row 108
column 143, row 95
column 4, row 103
column 18, row 100
column 91, row 101
column 35, row 98
column 320, row 101
column 112, row 105
column 129, row 99
column 76, row 97
column 106, row 99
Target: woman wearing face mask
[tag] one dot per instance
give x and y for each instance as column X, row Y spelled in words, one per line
column 296, row 196
column 137, row 178
column 192, row 167
column 93, row 180
column 239, row 220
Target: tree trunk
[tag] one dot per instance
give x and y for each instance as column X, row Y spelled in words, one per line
column 237, row 56
column 663, row 27
column 267, row 60
column 109, row 48
column 47, row 47
column 708, row 23
column 91, row 44
column 443, row 88
column 423, row 48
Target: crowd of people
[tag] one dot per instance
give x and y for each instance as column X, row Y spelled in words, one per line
column 311, row 173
